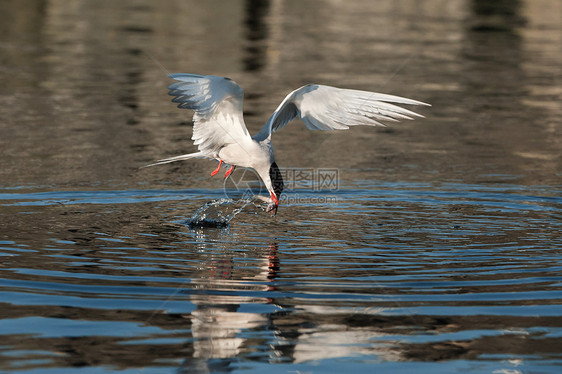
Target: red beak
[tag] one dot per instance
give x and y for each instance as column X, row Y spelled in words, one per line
column 272, row 207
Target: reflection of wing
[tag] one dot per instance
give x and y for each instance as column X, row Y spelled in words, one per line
column 217, row 103
column 331, row 108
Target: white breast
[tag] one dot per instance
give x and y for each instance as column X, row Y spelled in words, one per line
column 248, row 155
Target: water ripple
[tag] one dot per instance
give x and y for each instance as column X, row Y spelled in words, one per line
column 396, row 271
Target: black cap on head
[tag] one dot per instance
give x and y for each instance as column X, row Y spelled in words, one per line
column 276, row 180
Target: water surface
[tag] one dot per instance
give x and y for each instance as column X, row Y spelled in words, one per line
column 438, row 248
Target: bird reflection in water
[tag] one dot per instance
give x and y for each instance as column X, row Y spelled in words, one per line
column 223, row 282
column 230, row 290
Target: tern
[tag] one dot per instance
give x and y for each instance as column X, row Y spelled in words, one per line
column 220, row 133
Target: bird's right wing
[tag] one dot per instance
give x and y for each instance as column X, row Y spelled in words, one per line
column 330, row 108
column 217, row 102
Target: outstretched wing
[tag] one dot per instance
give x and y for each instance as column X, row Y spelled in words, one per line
column 217, row 102
column 331, row 108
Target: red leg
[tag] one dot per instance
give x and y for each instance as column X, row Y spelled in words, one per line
column 217, row 169
column 229, row 171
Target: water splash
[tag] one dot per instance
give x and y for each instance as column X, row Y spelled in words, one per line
column 217, row 213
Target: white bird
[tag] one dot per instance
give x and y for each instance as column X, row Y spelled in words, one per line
column 220, row 133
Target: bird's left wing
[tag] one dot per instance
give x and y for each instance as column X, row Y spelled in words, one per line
column 330, row 108
column 218, row 104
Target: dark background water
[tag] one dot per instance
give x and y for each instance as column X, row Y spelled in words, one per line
column 438, row 250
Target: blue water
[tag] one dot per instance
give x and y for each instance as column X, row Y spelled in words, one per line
column 399, row 275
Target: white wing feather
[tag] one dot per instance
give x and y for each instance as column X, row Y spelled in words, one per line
column 218, row 103
column 330, row 108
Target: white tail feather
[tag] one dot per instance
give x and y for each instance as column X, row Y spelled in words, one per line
column 177, row 158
